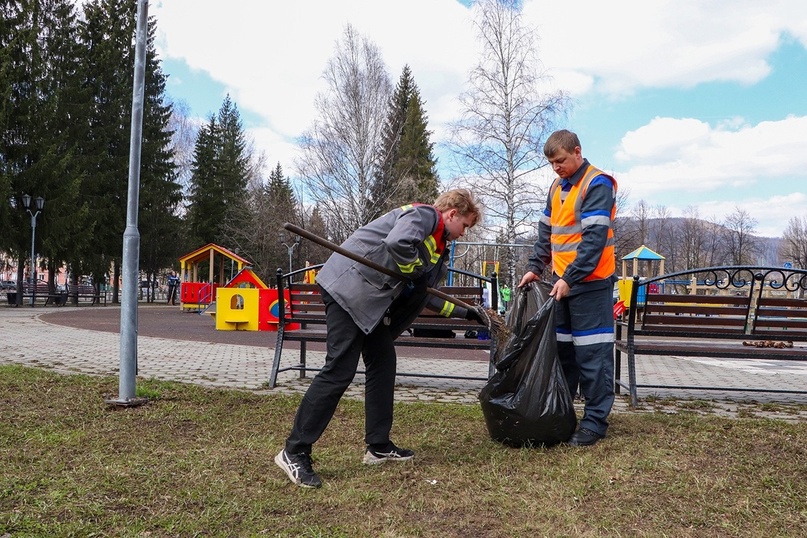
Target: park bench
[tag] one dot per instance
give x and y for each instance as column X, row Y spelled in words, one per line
column 301, row 319
column 86, row 293
column 736, row 312
column 42, row 295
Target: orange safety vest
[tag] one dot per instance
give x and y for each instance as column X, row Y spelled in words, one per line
column 567, row 228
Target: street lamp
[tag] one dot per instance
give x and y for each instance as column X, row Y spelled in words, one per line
column 39, row 204
column 290, row 248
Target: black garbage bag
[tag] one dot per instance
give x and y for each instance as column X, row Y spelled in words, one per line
column 527, row 401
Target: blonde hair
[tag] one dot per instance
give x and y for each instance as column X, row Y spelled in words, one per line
column 562, row 139
column 462, row 200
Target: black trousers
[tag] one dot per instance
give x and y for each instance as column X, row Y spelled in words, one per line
column 345, row 343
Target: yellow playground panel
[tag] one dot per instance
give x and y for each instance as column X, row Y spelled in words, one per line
column 237, row 309
column 245, row 303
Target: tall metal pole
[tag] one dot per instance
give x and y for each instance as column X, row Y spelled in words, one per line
column 39, row 203
column 131, row 236
column 33, row 257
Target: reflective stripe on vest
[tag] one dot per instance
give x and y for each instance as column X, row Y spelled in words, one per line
column 567, row 226
column 436, row 245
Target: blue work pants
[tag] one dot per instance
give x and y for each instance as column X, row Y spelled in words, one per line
column 585, row 333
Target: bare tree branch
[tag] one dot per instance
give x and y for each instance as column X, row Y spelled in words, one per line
column 339, row 152
column 506, row 116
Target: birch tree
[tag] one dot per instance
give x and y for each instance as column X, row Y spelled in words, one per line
column 506, row 116
column 739, row 237
column 794, row 242
column 340, row 151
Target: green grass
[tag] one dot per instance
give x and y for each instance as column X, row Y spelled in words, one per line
column 198, row 462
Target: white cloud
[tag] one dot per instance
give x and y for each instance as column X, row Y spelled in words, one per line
column 663, row 140
column 627, row 45
column 270, row 56
column 680, row 162
column 672, row 154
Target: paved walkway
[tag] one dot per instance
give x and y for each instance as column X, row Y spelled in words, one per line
column 27, row 339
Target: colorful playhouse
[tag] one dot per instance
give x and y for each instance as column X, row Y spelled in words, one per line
column 640, row 257
column 230, row 290
column 245, row 303
column 203, row 271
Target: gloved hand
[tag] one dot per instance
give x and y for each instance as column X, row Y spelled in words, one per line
column 477, row 314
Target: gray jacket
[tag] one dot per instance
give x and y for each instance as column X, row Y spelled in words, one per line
column 396, row 241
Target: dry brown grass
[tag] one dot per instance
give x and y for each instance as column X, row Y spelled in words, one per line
column 198, row 462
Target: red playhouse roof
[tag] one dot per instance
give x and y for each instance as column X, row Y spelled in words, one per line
column 203, row 253
column 247, row 275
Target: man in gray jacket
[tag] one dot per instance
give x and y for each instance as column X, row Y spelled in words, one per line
column 366, row 311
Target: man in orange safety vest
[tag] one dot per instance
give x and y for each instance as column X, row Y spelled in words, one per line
column 576, row 239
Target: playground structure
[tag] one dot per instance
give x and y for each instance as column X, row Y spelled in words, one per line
column 641, row 258
column 245, row 303
column 233, row 293
column 197, row 294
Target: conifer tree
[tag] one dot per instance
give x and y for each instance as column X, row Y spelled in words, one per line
column 406, row 171
column 40, row 113
column 204, row 189
column 220, row 174
column 280, row 191
column 160, row 192
column 65, row 115
column 416, row 162
column 108, row 32
column 312, row 252
column 18, row 101
column 61, row 166
column 280, row 206
column 255, row 230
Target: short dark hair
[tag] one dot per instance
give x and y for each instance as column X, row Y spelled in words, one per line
column 561, row 139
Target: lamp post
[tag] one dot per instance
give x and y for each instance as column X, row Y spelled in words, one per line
column 290, row 248
column 39, row 204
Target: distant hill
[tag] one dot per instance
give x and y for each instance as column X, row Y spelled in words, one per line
column 663, row 236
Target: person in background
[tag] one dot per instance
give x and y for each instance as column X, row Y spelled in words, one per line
column 505, row 293
column 366, row 311
column 576, row 238
column 173, row 285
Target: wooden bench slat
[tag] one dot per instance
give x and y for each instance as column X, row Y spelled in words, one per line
column 697, row 299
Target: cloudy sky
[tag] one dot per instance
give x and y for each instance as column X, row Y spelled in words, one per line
column 687, row 102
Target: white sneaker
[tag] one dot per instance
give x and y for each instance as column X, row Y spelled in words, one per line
column 298, row 468
column 390, row 453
